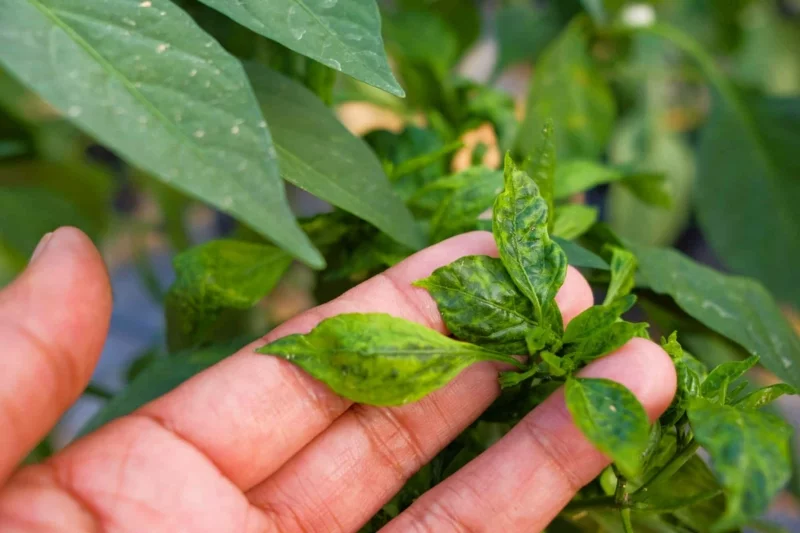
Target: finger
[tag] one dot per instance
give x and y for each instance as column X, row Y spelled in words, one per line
column 542, row 462
column 367, row 455
column 53, row 322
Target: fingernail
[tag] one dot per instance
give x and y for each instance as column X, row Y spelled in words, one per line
column 41, row 246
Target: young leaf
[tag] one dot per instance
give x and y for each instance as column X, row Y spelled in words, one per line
column 145, row 80
column 738, row 308
column 346, row 36
column 214, row 276
column 537, row 265
column 688, row 379
column 319, row 155
column 379, row 359
column 715, row 386
column 573, row 220
column 480, row 304
column 611, row 417
column 765, row 396
column 597, row 318
column 578, row 256
column 606, row 340
column 460, row 210
column 749, row 452
column 427, row 199
column 623, row 272
column 579, row 175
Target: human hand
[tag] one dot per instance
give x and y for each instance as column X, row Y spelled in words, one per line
column 253, row 444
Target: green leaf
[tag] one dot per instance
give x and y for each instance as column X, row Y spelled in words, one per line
column 764, row 396
column 346, row 35
column 623, row 272
column 480, row 304
column 579, row 256
column 579, row 175
column 159, row 378
column 215, row 276
column 379, row 359
column 597, row 318
column 536, row 264
column 459, row 212
column 321, row 156
column 715, row 386
column 463, row 17
column 749, row 452
column 516, row 42
column 568, row 89
column 606, row 340
column 738, row 308
column 573, row 220
column 428, row 199
column 690, row 373
column 611, row 417
column 542, row 167
column 649, row 188
column 162, row 94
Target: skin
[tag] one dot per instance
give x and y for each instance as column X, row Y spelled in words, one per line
column 255, row 445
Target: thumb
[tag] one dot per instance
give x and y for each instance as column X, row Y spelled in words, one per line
column 53, row 322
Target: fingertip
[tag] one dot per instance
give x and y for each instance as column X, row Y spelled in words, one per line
column 575, row 295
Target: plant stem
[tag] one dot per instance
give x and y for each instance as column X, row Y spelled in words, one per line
column 674, row 464
column 626, row 520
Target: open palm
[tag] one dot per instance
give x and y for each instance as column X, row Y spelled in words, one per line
column 255, row 445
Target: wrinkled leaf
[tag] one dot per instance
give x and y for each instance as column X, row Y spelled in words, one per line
column 738, row 308
column 689, row 379
column 749, row 452
column 716, row 384
column 623, row 272
column 765, row 396
column 536, row 264
column 429, row 198
column 573, row 220
column 215, row 276
column 611, row 417
column 379, row 359
column 344, row 35
column 459, row 212
column 606, row 340
column 318, row 154
column 596, row 318
column 480, row 304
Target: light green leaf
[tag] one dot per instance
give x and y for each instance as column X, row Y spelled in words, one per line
column 738, row 308
column 480, row 304
column 604, row 341
column 460, row 211
column 764, row 396
column 568, row 89
column 321, row 156
column 623, row 272
column 715, row 386
column 611, row 417
column 749, row 452
column 690, row 374
column 579, row 175
column 379, row 359
column 145, row 80
column 579, row 256
column 596, row 318
column 344, row 35
column 536, row 264
column 215, row 276
column 650, row 188
column 542, row 167
column 573, row 220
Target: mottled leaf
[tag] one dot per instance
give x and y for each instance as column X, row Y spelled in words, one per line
column 536, row 264
column 460, row 210
column 738, row 308
column 480, row 304
column 568, row 89
column 573, row 220
column 427, row 199
column 749, row 453
column 215, row 276
column 623, row 272
column 579, row 175
column 716, row 384
column 611, row 417
column 688, row 379
column 578, row 256
column 596, row 318
column 145, row 80
column 765, row 396
column 321, row 156
column 344, row 35
column 379, row 359
column 606, row 340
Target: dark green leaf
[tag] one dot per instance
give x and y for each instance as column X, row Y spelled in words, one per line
column 462, row 16
column 715, row 386
column 421, row 38
column 567, row 89
column 738, row 308
column 755, row 148
column 611, row 417
column 579, row 256
column 759, row 398
column 215, row 276
column 144, row 79
column 623, row 272
column 749, row 452
column 318, row 154
column 379, row 359
column 579, row 175
column 597, row 318
column 573, row 220
column 536, row 264
column 480, row 304
column 346, row 35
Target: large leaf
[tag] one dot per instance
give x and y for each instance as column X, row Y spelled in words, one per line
column 568, row 89
column 738, row 308
column 145, row 80
column 379, row 359
column 753, row 225
column 536, row 264
column 749, row 452
column 611, row 417
column 215, row 276
column 318, row 154
column 344, row 35
column 480, row 304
